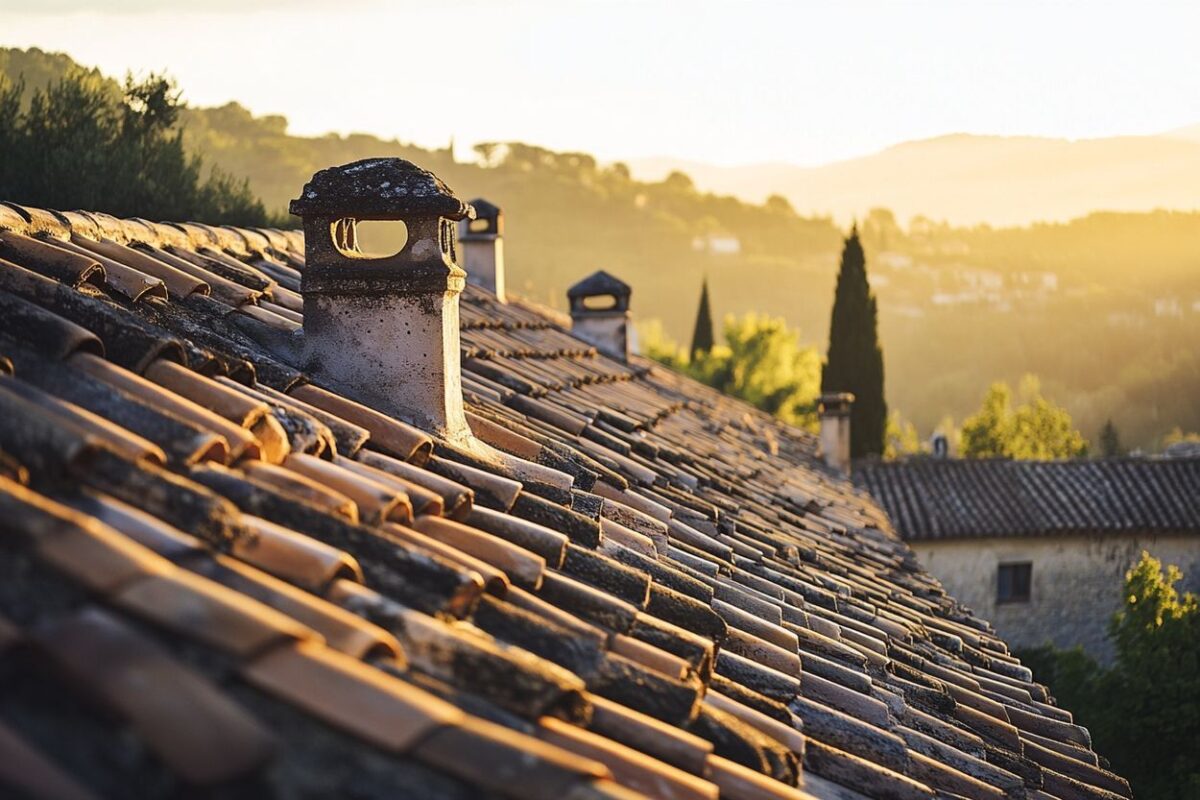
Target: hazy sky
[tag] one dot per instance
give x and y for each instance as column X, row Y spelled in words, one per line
column 719, row 82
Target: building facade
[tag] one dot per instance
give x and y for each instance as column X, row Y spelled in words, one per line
column 1041, row 549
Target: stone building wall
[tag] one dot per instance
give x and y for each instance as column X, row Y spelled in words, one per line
column 1076, row 581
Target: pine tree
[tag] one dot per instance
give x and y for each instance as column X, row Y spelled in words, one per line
column 855, row 361
column 702, row 334
column 1110, row 441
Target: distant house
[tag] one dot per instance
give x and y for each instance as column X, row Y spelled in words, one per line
column 717, row 244
column 1041, row 548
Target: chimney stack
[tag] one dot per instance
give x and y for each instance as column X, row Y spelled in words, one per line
column 939, row 443
column 483, row 247
column 600, row 313
column 835, row 430
column 383, row 329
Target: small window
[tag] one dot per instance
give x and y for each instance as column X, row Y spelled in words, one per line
column 1013, row 583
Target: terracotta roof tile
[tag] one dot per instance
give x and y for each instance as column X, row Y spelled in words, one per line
column 313, row 492
column 294, row 557
column 382, row 710
column 343, row 631
column 377, row 502
column 115, row 666
column 629, row 767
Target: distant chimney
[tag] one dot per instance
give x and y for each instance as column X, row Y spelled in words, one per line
column 600, row 313
column 483, row 247
column 383, row 329
column 835, row 430
column 940, row 445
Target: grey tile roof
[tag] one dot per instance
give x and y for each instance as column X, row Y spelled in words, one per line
column 220, row 578
column 930, row 498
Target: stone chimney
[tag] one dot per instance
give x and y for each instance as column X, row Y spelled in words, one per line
column 835, row 430
column 383, row 329
column 483, row 247
column 600, row 313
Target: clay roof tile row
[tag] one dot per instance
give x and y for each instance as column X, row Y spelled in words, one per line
column 955, row 499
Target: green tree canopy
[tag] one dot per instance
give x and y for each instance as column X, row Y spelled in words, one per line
column 762, row 363
column 855, row 362
column 77, row 143
column 901, row 438
column 767, row 366
column 1034, row 429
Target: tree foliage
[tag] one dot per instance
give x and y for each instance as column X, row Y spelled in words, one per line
column 1144, row 711
column 901, row 438
column 1034, row 429
column 762, row 362
column 77, row 143
column 855, row 361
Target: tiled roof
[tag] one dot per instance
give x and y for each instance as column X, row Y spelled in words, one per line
column 932, row 498
column 219, row 578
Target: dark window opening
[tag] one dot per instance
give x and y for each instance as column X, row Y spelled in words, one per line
column 1013, row 582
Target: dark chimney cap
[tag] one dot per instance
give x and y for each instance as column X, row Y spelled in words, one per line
column 379, row 188
column 599, row 283
column 488, row 221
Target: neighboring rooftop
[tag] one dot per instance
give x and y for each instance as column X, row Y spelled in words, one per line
column 938, row 498
column 218, row 577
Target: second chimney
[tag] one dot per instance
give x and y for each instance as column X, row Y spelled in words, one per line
column 600, row 313
column 383, row 329
column 835, row 430
column 483, row 247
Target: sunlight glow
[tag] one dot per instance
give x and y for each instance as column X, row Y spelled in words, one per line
column 724, row 83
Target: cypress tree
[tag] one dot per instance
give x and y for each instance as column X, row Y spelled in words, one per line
column 1110, row 440
column 702, row 334
column 855, row 361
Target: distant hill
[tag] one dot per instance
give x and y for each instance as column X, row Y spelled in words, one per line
column 1190, row 133
column 967, row 179
column 566, row 215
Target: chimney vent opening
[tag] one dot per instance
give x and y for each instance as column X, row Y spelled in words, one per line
column 600, row 302
column 369, row 238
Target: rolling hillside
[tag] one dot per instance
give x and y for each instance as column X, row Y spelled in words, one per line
column 966, row 179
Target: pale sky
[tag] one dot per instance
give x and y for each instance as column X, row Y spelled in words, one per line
column 725, row 83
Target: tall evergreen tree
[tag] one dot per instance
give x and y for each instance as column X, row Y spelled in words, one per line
column 1110, row 440
column 702, row 334
column 855, row 362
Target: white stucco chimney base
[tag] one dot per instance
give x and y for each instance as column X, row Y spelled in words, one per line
column 835, row 430
column 397, row 353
